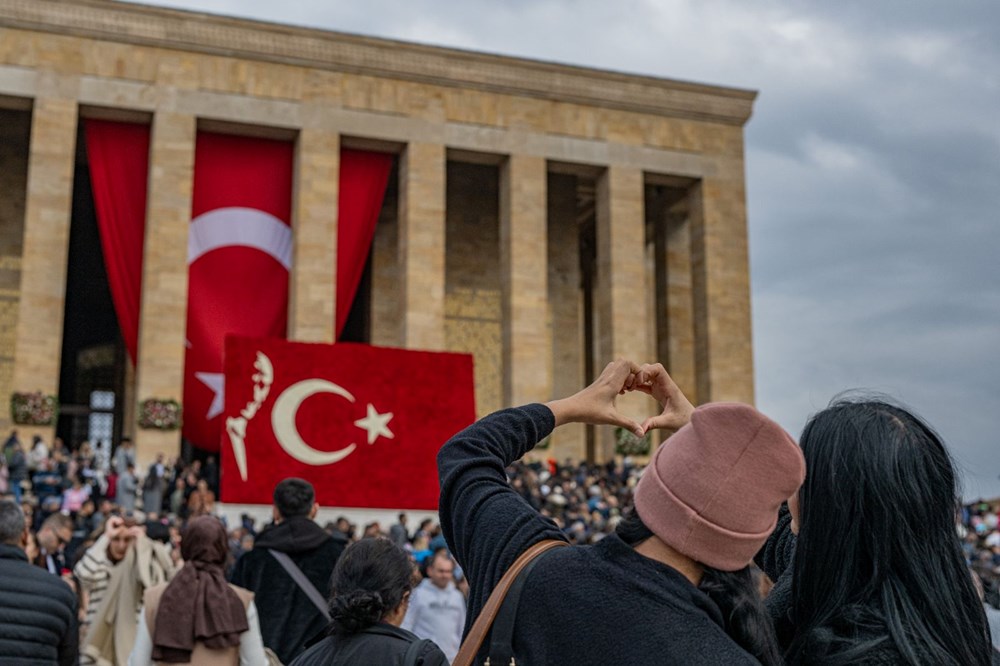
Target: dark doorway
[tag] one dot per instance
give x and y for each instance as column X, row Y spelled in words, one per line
column 92, row 374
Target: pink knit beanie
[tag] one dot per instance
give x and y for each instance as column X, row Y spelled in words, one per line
column 712, row 490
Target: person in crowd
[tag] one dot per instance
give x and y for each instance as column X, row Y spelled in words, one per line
column 105, row 509
column 4, row 476
column 47, row 482
column 39, row 453
column 288, row 619
column 178, row 507
column 437, row 608
column 197, row 618
column 113, row 573
column 74, row 496
column 370, row 591
column 876, row 573
column 421, row 548
column 211, row 474
column 85, row 451
column 37, row 611
column 17, row 467
column 54, row 535
column 397, row 532
column 154, row 485
column 344, row 527
column 673, row 585
column 202, row 500
column 126, row 488
column 124, row 456
column 8, row 444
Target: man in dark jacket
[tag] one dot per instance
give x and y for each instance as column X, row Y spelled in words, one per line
column 288, row 619
column 37, row 610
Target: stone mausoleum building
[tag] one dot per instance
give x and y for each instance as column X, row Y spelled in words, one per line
column 543, row 217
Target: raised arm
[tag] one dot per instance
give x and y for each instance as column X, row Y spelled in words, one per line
column 486, row 524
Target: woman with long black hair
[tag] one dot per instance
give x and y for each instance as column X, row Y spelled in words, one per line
column 876, row 574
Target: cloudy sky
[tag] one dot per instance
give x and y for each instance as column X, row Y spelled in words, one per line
column 873, row 169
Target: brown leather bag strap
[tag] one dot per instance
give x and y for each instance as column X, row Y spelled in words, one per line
column 472, row 642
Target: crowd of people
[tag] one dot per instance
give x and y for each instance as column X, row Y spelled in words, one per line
column 717, row 551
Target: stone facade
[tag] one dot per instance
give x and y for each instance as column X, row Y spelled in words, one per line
column 509, row 171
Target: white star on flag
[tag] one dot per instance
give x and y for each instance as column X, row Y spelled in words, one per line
column 376, row 424
column 214, row 381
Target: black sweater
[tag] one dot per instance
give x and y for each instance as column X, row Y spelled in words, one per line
column 601, row 604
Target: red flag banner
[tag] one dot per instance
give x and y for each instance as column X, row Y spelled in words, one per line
column 118, row 156
column 363, row 424
column 239, row 256
column 363, row 177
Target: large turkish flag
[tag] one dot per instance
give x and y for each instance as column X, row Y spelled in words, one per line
column 239, row 255
column 363, row 424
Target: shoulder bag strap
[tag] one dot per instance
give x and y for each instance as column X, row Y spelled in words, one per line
column 483, row 623
column 303, row 582
column 413, row 652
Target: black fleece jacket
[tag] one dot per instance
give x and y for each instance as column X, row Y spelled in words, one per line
column 601, row 604
column 288, row 619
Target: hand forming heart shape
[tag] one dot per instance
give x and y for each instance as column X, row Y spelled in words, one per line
column 596, row 403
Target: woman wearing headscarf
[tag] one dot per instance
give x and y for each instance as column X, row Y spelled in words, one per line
column 198, row 618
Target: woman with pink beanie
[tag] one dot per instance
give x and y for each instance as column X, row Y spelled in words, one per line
column 673, row 584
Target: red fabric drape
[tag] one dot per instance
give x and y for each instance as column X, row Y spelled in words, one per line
column 239, row 255
column 363, row 177
column 118, row 156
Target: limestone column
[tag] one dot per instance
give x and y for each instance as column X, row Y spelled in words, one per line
column 313, row 281
column 680, row 306
column 163, row 313
column 566, row 306
column 620, row 302
column 721, row 286
column 47, row 214
column 422, row 246
column 527, row 347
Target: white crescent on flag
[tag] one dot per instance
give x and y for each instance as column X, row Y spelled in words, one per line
column 249, row 227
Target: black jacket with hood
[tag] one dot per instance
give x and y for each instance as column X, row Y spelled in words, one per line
column 288, row 619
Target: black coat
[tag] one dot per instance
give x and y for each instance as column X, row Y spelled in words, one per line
column 601, row 604
column 37, row 614
column 288, row 619
column 381, row 644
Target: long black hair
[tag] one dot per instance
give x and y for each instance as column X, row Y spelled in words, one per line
column 878, row 563
column 371, row 579
column 734, row 592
